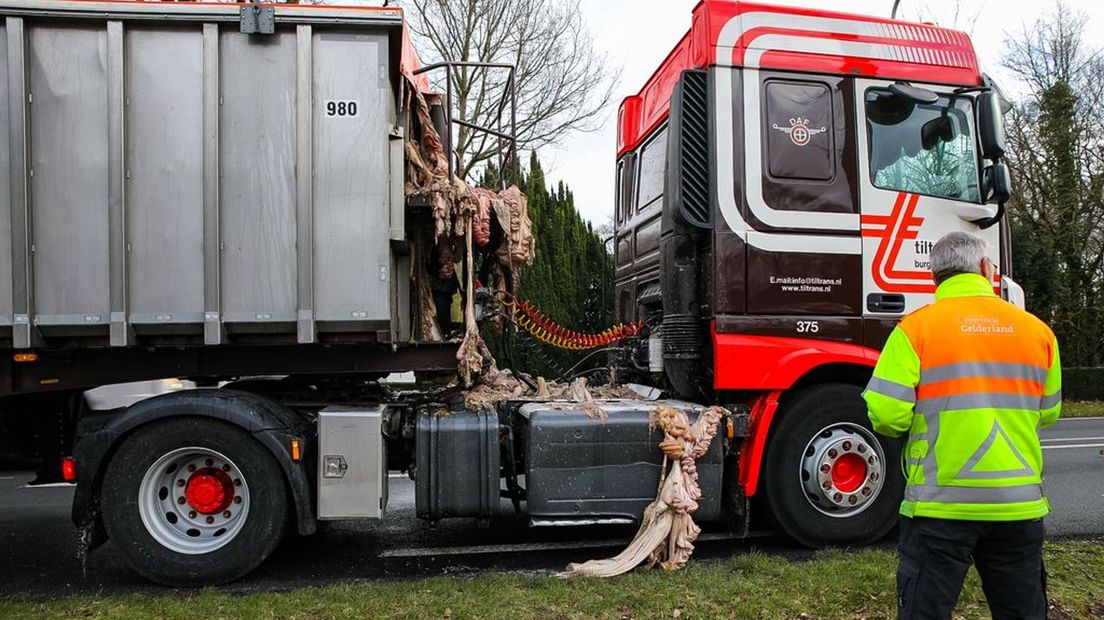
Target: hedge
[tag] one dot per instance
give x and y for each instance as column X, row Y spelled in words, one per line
column 1083, row 383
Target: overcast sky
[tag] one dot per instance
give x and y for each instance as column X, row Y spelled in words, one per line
column 637, row 34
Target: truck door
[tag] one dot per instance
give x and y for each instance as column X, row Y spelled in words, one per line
column 919, row 171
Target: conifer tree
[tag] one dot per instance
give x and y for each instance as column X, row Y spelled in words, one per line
column 571, row 279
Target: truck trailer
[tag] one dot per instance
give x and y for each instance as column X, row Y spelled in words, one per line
column 219, row 193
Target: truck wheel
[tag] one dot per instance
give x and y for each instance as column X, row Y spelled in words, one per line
column 829, row 479
column 193, row 502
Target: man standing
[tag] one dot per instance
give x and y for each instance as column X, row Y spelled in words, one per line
column 970, row 379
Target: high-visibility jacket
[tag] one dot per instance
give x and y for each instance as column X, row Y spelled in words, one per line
column 971, row 379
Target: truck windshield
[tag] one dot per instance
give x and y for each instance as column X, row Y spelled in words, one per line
column 924, row 149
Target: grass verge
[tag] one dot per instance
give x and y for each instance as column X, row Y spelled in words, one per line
column 833, row 584
column 1083, row 409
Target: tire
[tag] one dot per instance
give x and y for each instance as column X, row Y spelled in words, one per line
column 826, row 426
column 147, row 500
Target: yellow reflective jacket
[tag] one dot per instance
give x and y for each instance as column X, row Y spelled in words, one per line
column 971, row 379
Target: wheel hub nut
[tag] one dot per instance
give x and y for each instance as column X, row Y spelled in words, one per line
column 209, row 491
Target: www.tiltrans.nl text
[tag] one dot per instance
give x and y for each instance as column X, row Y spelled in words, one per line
column 806, row 284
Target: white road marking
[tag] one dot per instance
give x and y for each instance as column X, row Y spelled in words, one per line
column 1080, row 445
column 49, row 485
column 1074, row 439
column 417, row 552
column 7, row 477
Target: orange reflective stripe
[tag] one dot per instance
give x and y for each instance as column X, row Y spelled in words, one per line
column 974, row 385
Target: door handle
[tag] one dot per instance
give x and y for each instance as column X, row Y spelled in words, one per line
column 885, row 302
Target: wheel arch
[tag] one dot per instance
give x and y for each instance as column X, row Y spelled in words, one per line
column 769, row 406
column 760, row 363
column 272, row 424
column 848, row 373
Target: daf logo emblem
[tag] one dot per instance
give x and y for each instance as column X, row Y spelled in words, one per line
column 799, row 130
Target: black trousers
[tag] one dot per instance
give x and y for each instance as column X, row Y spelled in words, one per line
column 936, row 553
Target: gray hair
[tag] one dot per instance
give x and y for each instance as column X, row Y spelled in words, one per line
column 955, row 253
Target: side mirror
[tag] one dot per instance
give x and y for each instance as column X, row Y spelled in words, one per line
column 991, row 125
column 998, row 183
column 938, row 129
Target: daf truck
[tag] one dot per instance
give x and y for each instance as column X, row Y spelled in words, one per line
column 215, row 193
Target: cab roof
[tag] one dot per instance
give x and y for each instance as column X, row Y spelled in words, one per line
column 731, row 33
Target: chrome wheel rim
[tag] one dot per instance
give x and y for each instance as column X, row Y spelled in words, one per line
column 842, row 470
column 193, row 500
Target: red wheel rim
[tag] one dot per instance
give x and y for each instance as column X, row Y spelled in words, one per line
column 848, row 472
column 209, row 490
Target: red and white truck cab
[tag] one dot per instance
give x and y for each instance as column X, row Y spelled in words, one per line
column 781, row 179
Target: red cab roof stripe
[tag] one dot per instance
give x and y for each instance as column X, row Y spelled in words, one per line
column 777, row 37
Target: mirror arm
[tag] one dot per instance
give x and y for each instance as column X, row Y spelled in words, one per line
column 989, row 222
column 963, row 90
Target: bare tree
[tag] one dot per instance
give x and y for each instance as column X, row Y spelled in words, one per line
column 562, row 83
column 956, row 16
column 1056, row 150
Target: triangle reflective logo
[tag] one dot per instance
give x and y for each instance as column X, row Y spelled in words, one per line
column 991, row 458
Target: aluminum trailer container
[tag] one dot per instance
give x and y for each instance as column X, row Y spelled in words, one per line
column 208, row 191
column 167, row 180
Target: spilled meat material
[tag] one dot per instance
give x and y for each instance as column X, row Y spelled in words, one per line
column 462, row 217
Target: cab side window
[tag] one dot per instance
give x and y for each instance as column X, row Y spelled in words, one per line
column 653, row 161
column 800, row 132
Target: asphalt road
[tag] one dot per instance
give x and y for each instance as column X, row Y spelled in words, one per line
column 38, row 542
